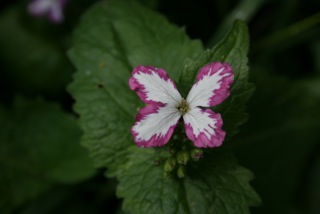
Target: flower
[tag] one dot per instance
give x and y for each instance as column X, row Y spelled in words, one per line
column 50, row 8
column 156, row 122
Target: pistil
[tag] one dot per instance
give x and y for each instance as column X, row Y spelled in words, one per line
column 183, row 107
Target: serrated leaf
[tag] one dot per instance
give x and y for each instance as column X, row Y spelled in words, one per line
column 111, row 40
column 39, row 146
column 216, row 184
column 211, row 186
column 233, row 49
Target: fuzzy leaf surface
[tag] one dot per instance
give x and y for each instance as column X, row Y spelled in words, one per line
column 110, row 41
column 233, row 49
column 216, row 184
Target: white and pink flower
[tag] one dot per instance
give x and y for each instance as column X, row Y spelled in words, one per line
column 156, row 122
column 53, row 9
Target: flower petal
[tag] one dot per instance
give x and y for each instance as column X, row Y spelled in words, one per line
column 55, row 13
column 212, row 86
column 39, row 7
column 203, row 127
column 51, row 8
column 154, row 125
column 154, row 86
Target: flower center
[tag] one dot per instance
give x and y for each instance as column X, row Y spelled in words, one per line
column 183, row 107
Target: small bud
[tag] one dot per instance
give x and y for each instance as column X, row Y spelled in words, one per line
column 196, row 154
column 183, row 157
column 181, row 172
column 170, row 164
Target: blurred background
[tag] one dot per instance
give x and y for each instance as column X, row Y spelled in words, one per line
column 280, row 143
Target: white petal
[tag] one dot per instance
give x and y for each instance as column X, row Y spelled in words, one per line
column 153, row 86
column 212, row 86
column 154, row 125
column 203, row 127
column 39, row 7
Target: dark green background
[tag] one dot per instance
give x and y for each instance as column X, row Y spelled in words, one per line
column 280, row 143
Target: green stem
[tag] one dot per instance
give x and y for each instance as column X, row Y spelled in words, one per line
column 287, row 33
column 243, row 11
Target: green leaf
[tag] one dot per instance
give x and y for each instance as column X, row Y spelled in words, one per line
column 32, row 62
column 244, row 10
column 111, row 40
column 39, row 146
column 233, row 49
column 216, row 184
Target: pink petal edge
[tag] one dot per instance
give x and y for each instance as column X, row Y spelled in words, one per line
column 202, row 141
column 34, row 9
column 219, row 95
column 139, row 88
column 154, row 141
column 57, row 17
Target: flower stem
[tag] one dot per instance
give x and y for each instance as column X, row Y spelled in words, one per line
column 287, row 33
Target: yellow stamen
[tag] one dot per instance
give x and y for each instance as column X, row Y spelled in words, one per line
column 183, row 107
